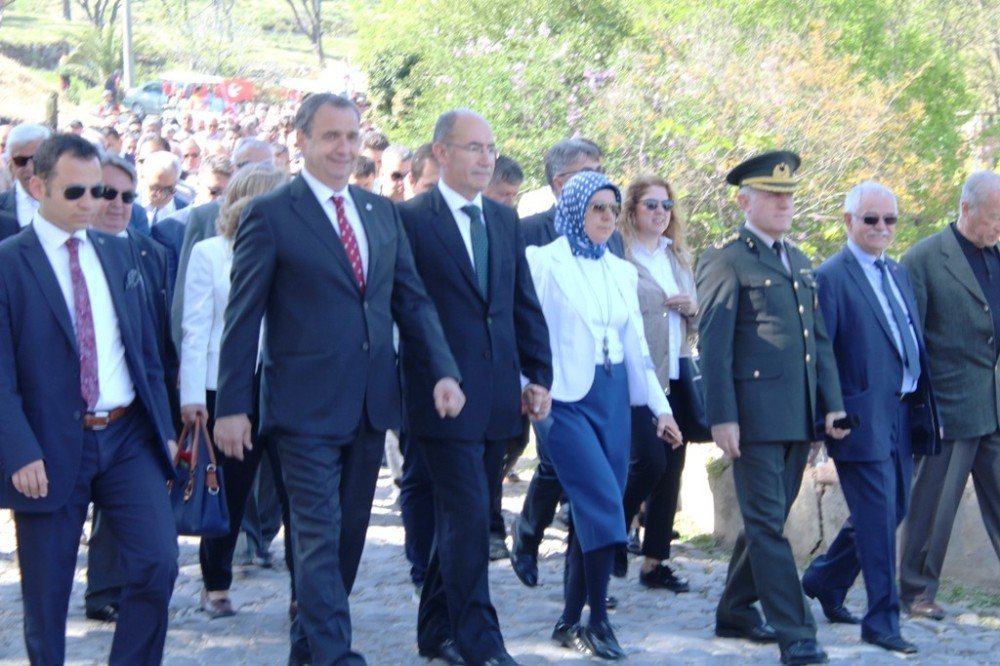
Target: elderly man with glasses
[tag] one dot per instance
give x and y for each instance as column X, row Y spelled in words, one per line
column 22, row 142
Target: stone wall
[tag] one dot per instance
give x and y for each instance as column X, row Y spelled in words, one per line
column 708, row 505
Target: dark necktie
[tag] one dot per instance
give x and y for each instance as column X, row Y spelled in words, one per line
column 86, row 340
column 350, row 242
column 911, row 358
column 480, row 246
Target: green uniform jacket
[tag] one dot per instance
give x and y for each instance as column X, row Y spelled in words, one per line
column 958, row 332
column 766, row 360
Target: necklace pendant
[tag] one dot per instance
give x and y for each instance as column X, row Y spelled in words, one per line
column 607, row 355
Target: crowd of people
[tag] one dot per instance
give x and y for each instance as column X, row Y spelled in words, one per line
column 302, row 287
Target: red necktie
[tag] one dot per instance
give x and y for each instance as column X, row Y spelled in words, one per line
column 350, row 242
column 86, row 340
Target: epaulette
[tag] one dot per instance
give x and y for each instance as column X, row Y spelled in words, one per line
column 727, row 240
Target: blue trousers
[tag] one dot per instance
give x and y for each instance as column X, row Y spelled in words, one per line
column 120, row 473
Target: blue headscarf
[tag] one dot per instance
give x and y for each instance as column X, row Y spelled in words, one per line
column 572, row 208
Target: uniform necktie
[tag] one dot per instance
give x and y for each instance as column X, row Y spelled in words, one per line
column 911, row 359
column 480, row 246
column 777, row 248
column 350, row 242
column 86, row 340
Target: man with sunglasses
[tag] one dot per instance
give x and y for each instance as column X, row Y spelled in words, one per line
column 86, row 414
column 956, row 278
column 871, row 316
column 105, row 576
column 768, row 370
column 22, row 142
column 396, row 161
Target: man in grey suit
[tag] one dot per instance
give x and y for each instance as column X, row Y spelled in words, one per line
column 956, row 279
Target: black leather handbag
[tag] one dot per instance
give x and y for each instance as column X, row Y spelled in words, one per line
column 687, row 399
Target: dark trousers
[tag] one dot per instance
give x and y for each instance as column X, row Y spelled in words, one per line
column 937, row 491
column 121, row 474
column 877, row 494
column 416, row 503
column 654, row 476
column 544, row 493
column 105, row 573
column 512, row 451
column 216, row 554
column 767, row 477
column 331, row 485
column 455, row 602
column 264, row 511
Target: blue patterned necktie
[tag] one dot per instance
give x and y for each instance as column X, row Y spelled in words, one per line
column 911, row 358
column 480, row 246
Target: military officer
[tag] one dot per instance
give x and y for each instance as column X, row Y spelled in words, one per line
column 768, row 370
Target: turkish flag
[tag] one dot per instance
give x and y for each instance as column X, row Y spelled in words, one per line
column 237, row 90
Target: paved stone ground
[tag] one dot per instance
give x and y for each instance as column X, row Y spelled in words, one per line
column 655, row 627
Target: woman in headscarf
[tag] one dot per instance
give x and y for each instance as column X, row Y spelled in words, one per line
column 601, row 366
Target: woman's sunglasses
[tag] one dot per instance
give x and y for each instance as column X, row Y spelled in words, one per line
column 653, row 204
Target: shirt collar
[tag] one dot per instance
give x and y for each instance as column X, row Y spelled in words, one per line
column 23, row 196
column 766, row 238
column 662, row 243
column 455, row 200
column 322, row 191
column 863, row 257
column 52, row 237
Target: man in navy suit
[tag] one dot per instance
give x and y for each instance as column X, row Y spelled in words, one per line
column 871, row 316
column 86, row 416
column 330, row 268
column 470, row 254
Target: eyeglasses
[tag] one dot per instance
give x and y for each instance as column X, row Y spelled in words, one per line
column 653, row 204
column 476, row 148
column 22, row 160
column 398, row 176
column 602, row 208
column 158, row 189
column 873, row 219
column 110, row 194
column 74, row 192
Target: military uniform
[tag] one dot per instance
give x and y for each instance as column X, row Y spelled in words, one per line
column 768, row 365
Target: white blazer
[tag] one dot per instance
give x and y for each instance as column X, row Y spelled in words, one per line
column 557, row 283
column 206, row 292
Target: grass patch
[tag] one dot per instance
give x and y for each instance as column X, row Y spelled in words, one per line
column 971, row 597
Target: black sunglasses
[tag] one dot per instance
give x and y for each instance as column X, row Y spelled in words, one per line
column 601, row 208
column 396, row 175
column 74, row 192
column 110, row 193
column 21, row 160
column 652, row 204
column 873, row 219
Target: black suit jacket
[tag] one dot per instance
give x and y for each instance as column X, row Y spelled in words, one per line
column 43, row 410
column 8, row 225
column 8, row 202
column 492, row 338
column 540, row 229
column 328, row 355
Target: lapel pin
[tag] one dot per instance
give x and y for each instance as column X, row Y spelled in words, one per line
column 132, row 279
column 368, row 206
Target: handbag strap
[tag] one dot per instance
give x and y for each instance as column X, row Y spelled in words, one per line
column 211, row 469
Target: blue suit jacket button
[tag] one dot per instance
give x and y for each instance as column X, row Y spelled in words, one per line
column 77, row 415
column 364, row 346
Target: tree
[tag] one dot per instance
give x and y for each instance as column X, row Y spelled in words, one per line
column 4, row 4
column 100, row 12
column 309, row 18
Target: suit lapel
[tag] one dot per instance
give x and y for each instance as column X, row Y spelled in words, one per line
column 906, row 290
column 306, row 206
column 567, row 274
column 34, row 255
column 116, row 275
column 766, row 255
column 956, row 264
column 370, row 225
column 491, row 216
column 444, row 225
column 857, row 273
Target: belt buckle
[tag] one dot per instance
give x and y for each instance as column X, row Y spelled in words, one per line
column 104, row 416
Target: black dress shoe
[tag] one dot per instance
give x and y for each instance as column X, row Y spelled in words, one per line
column 836, row 614
column 663, row 577
column 798, row 653
column 498, row 548
column 564, row 633
column 447, row 652
column 524, row 563
column 761, row 633
column 598, row 641
column 611, row 602
column 107, row 613
column 893, row 643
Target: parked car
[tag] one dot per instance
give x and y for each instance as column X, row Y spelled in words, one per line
column 146, row 99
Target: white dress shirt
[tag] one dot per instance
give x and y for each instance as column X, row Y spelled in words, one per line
column 769, row 240
column 323, row 195
column 659, row 266
column 157, row 215
column 27, row 205
column 206, row 292
column 115, row 381
column 874, row 275
column 455, row 203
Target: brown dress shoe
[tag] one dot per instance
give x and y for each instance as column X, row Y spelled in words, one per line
column 926, row 608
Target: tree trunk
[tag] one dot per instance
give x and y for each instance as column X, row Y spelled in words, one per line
column 67, row 10
column 318, row 41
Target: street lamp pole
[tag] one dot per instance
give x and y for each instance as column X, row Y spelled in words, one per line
column 127, row 59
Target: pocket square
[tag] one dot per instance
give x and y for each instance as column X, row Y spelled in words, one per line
column 133, row 279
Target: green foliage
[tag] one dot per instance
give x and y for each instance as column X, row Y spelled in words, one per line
column 98, row 53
